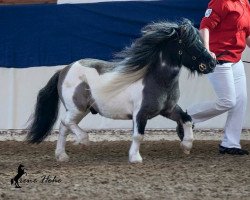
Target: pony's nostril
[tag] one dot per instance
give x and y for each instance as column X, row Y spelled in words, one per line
column 212, row 65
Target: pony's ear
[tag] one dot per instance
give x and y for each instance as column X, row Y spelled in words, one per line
column 181, row 30
column 185, row 26
column 186, row 21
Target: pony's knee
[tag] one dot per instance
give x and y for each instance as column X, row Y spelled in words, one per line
column 69, row 124
column 72, row 118
column 138, row 137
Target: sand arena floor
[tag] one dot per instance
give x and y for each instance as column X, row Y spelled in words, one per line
column 102, row 171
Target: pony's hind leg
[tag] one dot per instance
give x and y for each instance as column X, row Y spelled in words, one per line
column 139, row 123
column 184, row 122
column 60, row 152
column 71, row 122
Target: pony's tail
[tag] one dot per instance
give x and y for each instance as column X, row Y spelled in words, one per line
column 46, row 111
column 12, row 181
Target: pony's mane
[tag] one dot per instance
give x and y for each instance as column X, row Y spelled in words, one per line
column 136, row 60
column 145, row 49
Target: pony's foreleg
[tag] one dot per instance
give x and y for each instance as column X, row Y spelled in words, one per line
column 71, row 122
column 184, row 122
column 60, row 146
column 139, row 123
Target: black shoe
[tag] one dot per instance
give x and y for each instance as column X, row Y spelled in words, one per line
column 232, row 151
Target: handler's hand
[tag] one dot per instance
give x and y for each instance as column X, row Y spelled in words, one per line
column 212, row 54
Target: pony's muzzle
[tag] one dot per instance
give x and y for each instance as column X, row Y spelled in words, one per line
column 207, row 68
column 212, row 65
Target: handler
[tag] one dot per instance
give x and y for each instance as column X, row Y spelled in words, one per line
column 225, row 30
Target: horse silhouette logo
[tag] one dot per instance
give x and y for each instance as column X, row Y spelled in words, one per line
column 20, row 172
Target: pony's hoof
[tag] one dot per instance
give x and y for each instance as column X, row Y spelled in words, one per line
column 135, row 158
column 185, row 151
column 63, row 157
column 186, row 146
column 83, row 139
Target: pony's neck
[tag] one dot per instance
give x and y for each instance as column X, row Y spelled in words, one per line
column 166, row 69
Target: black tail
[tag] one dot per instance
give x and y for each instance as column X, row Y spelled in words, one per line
column 12, row 181
column 46, row 111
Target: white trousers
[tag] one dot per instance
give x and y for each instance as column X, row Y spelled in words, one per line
column 229, row 83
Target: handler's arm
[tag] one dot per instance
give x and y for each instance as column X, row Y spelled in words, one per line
column 248, row 41
column 205, row 36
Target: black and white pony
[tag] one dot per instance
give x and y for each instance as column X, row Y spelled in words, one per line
column 142, row 84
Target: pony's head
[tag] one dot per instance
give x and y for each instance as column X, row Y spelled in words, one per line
column 167, row 44
column 190, row 51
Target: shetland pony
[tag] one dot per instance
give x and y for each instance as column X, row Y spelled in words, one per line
column 141, row 83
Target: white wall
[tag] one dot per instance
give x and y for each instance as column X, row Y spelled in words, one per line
column 19, row 87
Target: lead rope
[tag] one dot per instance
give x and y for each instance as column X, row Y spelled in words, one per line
column 244, row 61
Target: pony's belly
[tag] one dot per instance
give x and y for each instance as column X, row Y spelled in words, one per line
column 115, row 109
column 116, row 115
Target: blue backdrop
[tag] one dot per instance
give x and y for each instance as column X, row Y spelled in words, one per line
column 48, row 35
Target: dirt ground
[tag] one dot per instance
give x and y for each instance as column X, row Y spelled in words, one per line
column 102, row 171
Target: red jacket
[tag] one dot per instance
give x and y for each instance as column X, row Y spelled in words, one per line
column 228, row 22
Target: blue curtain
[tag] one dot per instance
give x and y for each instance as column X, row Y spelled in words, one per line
column 49, row 35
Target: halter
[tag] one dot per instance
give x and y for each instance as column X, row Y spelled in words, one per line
column 202, row 66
